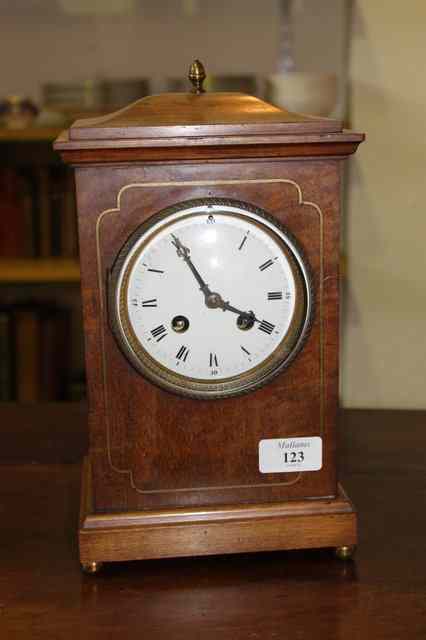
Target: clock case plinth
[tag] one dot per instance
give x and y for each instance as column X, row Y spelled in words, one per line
column 155, row 485
column 301, row 524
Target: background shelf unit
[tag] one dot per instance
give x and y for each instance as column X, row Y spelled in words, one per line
column 39, row 271
column 41, row 340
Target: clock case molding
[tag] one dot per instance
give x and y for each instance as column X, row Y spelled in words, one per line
column 171, row 476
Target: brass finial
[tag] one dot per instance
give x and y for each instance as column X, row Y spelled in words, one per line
column 197, row 76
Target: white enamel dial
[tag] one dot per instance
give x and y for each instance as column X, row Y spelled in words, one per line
column 211, row 298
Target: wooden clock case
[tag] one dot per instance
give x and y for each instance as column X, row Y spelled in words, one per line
column 174, row 476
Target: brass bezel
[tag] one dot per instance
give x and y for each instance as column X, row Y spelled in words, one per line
column 186, row 386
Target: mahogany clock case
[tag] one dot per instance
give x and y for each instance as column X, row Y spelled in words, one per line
column 152, row 449
column 159, row 457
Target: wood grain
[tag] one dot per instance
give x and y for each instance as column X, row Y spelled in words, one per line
column 210, row 153
column 217, row 444
column 49, row 433
column 215, row 538
column 241, row 529
column 210, row 126
column 308, row 594
column 189, row 115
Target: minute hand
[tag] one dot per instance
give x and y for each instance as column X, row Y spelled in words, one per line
column 183, row 252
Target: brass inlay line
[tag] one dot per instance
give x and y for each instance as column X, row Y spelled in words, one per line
column 204, row 183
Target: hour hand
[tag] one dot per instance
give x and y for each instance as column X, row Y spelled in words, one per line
column 215, row 301
column 247, row 317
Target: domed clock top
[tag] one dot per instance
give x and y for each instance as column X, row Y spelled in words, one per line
column 196, row 113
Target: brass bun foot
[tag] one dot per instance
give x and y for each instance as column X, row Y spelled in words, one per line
column 345, row 552
column 91, row 568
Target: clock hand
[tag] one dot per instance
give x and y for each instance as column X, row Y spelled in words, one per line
column 213, row 300
column 247, row 314
column 183, row 252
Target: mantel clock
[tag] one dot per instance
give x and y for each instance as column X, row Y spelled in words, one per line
column 209, row 242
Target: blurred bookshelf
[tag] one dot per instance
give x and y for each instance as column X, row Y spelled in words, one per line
column 39, row 271
column 41, row 338
column 29, row 134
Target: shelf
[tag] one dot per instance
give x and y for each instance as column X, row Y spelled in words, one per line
column 29, row 134
column 39, row 271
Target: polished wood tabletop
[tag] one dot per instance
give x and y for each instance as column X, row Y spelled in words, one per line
column 295, row 595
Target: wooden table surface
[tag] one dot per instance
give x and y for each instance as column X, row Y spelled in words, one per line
column 294, row 595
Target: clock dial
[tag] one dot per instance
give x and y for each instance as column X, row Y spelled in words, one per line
column 210, row 298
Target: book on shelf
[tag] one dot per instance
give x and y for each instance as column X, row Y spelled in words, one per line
column 37, row 213
column 13, row 216
column 27, row 353
column 55, row 347
column 35, row 350
column 44, row 210
column 68, row 228
column 7, row 375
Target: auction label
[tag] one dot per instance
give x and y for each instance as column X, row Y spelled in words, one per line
column 284, row 455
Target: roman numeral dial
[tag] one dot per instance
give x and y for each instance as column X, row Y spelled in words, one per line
column 159, row 332
column 243, row 241
column 213, row 360
column 182, row 354
column 150, row 303
column 266, row 327
column 275, row 295
column 210, row 298
column 267, row 264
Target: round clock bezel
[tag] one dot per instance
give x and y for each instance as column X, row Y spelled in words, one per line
column 257, row 376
